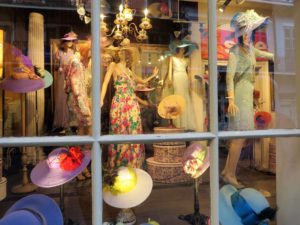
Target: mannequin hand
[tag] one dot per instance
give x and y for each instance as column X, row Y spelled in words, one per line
column 101, row 103
column 155, row 71
column 232, row 109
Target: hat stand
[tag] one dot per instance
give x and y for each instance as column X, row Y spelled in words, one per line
column 67, row 221
column 196, row 218
column 126, row 216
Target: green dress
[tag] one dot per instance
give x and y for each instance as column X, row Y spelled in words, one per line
column 240, row 78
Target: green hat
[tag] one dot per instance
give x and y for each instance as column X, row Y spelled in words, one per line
column 183, row 43
column 48, row 79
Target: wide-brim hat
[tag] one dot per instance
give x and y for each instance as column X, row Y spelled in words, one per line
column 36, row 209
column 195, row 160
column 134, row 197
column 48, row 79
column 22, row 85
column 46, row 176
column 171, row 106
column 227, row 214
column 71, row 36
column 183, row 43
column 246, row 22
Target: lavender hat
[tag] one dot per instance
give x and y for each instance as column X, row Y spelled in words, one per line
column 22, row 85
column 36, row 209
column 61, row 166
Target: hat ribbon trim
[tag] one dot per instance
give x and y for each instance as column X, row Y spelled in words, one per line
column 244, row 211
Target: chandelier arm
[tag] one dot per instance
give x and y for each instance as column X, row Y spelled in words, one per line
column 133, row 28
column 112, row 31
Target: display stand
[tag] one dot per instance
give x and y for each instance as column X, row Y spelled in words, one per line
column 67, row 221
column 196, row 218
column 26, row 186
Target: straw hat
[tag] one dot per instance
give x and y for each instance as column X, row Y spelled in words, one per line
column 171, row 107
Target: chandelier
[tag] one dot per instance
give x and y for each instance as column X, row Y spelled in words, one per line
column 124, row 27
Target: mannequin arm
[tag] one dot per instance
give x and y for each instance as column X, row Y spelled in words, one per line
column 263, row 54
column 142, row 102
column 145, row 81
column 107, row 78
column 170, row 72
column 231, row 69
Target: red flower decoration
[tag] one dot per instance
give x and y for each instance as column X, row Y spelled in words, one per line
column 262, row 119
column 72, row 159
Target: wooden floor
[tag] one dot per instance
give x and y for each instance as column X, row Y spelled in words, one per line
column 164, row 205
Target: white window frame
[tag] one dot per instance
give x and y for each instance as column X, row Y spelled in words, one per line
column 97, row 139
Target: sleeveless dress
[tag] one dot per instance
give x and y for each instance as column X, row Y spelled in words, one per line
column 125, row 118
column 61, row 111
column 240, row 78
column 181, row 87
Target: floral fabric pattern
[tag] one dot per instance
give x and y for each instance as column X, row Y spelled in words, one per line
column 75, row 87
column 125, row 119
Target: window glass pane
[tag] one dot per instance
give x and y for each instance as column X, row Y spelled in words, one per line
column 45, row 68
column 160, row 164
column 257, row 81
column 43, row 183
column 154, row 56
column 268, row 165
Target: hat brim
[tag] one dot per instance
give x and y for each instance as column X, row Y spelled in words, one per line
column 21, row 85
column 42, row 204
column 134, row 197
column 226, row 213
column 21, row 217
column 259, row 24
column 48, row 79
column 175, row 98
column 69, row 39
column 46, row 177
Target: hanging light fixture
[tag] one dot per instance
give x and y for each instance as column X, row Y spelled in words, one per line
column 123, row 28
column 225, row 4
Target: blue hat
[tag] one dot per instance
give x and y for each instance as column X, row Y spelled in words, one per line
column 244, row 207
column 183, row 43
column 43, row 208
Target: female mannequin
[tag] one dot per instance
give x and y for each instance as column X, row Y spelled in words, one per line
column 125, row 111
column 180, row 77
column 63, row 56
column 240, row 86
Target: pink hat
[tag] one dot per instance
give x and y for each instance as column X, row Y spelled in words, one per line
column 61, row 166
column 195, row 160
column 71, row 36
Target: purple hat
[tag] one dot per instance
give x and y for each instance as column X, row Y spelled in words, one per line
column 71, row 36
column 22, row 85
column 61, row 166
column 22, row 217
column 36, row 209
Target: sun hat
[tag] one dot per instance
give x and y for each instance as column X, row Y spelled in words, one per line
column 171, row 107
column 61, row 166
column 195, row 160
column 21, row 85
column 246, row 22
column 130, row 188
column 36, row 209
column 244, row 207
column 71, row 36
column 183, row 43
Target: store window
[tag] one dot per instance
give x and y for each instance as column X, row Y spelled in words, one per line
column 148, row 111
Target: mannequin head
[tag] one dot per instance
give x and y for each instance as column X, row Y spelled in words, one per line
column 66, row 45
column 181, row 51
column 124, row 56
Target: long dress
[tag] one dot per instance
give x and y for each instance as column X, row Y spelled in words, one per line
column 75, row 87
column 125, row 118
column 181, row 87
column 61, row 112
column 240, row 78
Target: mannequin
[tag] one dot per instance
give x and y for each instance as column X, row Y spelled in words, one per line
column 179, row 77
column 65, row 52
column 125, row 111
column 240, row 79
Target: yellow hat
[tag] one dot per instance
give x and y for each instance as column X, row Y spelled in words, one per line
column 171, row 107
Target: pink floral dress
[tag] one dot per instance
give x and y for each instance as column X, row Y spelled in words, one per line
column 125, row 118
column 75, row 87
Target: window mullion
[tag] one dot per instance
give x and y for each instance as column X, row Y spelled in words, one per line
column 213, row 111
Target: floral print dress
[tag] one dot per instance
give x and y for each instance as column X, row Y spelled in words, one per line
column 125, row 118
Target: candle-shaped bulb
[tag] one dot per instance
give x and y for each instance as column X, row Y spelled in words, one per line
column 121, row 8
column 102, row 17
column 146, row 12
